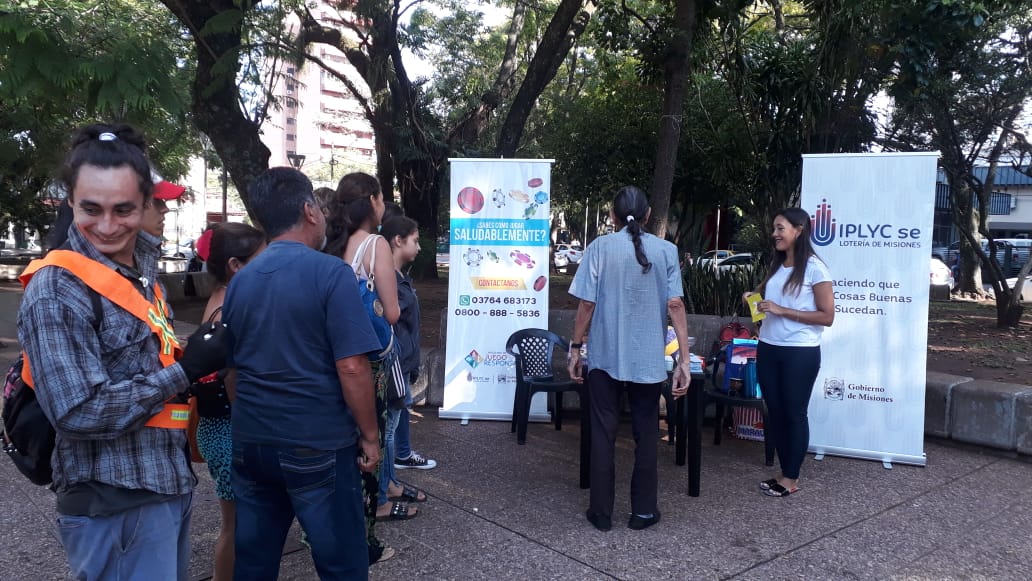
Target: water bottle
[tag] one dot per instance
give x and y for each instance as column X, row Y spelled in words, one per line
column 751, row 389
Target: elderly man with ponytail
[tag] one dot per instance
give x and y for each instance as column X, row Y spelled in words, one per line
column 629, row 284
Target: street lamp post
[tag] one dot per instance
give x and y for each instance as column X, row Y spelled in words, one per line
column 296, row 160
column 225, row 194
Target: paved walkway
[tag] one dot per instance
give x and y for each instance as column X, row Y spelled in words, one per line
column 502, row 511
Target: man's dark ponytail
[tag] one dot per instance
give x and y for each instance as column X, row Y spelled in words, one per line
column 630, row 207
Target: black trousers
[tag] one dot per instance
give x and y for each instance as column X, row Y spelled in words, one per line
column 605, row 419
column 786, row 376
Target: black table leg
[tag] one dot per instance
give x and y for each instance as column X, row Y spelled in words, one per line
column 693, row 427
column 681, row 437
column 585, row 439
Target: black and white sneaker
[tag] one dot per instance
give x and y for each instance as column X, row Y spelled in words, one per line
column 414, row 461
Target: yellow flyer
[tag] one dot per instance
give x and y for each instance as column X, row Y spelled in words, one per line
column 753, row 300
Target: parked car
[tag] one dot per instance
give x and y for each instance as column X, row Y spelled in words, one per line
column 572, row 252
column 565, row 255
column 714, row 255
column 741, row 262
column 1020, row 254
column 1004, row 247
column 941, row 276
column 183, row 250
column 443, row 252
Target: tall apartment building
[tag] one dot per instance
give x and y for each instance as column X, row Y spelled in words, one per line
column 318, row 117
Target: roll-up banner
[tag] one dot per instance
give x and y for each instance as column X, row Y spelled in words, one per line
column 497, row 280
column 872, row 224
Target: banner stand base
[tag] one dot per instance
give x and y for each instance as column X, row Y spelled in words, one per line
column 466, row 416
column 886, row 458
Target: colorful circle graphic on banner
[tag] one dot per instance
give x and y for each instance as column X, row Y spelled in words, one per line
column 535, row 182
column 539, row 284
column 519, row 196
column 522, row 259
column 472, row 257
column 498, row 198
column 471, row 200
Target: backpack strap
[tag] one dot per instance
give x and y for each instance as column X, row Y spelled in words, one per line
column 118, row 290
column 356, row 261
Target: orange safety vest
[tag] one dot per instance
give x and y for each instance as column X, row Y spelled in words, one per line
column 117, row 289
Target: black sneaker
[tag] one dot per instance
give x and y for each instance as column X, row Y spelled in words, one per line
column 414, row 461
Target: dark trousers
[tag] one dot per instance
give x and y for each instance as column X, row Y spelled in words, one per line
column 605, row 419
column 786, row 376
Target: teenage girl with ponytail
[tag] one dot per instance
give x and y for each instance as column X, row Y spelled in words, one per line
column 629, row 284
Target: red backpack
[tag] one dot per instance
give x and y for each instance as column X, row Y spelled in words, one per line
column 728, row 333
column 731, row 331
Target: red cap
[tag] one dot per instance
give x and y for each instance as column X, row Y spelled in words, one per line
column 203, row 244
column 167, row 191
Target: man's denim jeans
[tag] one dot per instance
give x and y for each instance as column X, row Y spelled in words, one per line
column 273, row 484
column 147, row 542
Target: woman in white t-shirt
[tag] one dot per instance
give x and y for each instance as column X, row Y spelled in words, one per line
column 799, row 303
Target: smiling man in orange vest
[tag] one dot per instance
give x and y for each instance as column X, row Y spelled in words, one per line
column 109, row 387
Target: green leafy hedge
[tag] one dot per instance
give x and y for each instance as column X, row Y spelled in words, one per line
column 707, row 292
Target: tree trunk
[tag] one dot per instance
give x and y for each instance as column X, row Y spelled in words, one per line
column 1008, row 311
column 675, row 74
column 569, row 21
column 216, row 106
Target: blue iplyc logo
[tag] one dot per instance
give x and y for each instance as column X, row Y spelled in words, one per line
column 822, row 225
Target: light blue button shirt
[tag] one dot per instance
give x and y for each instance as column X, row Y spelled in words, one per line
column 628, row 328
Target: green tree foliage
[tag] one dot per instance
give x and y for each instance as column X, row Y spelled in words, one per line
column 965, row 77
column 65, row 64
column 798, row 77
column 413, row 136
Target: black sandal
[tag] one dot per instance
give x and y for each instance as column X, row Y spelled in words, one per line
column 399, row 511
column 409, row 494
column 766, row 484
column 779, row 490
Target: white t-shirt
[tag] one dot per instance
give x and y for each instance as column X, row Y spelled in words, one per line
column 788, row 332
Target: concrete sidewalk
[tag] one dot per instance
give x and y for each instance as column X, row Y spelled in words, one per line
column 502, row 511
